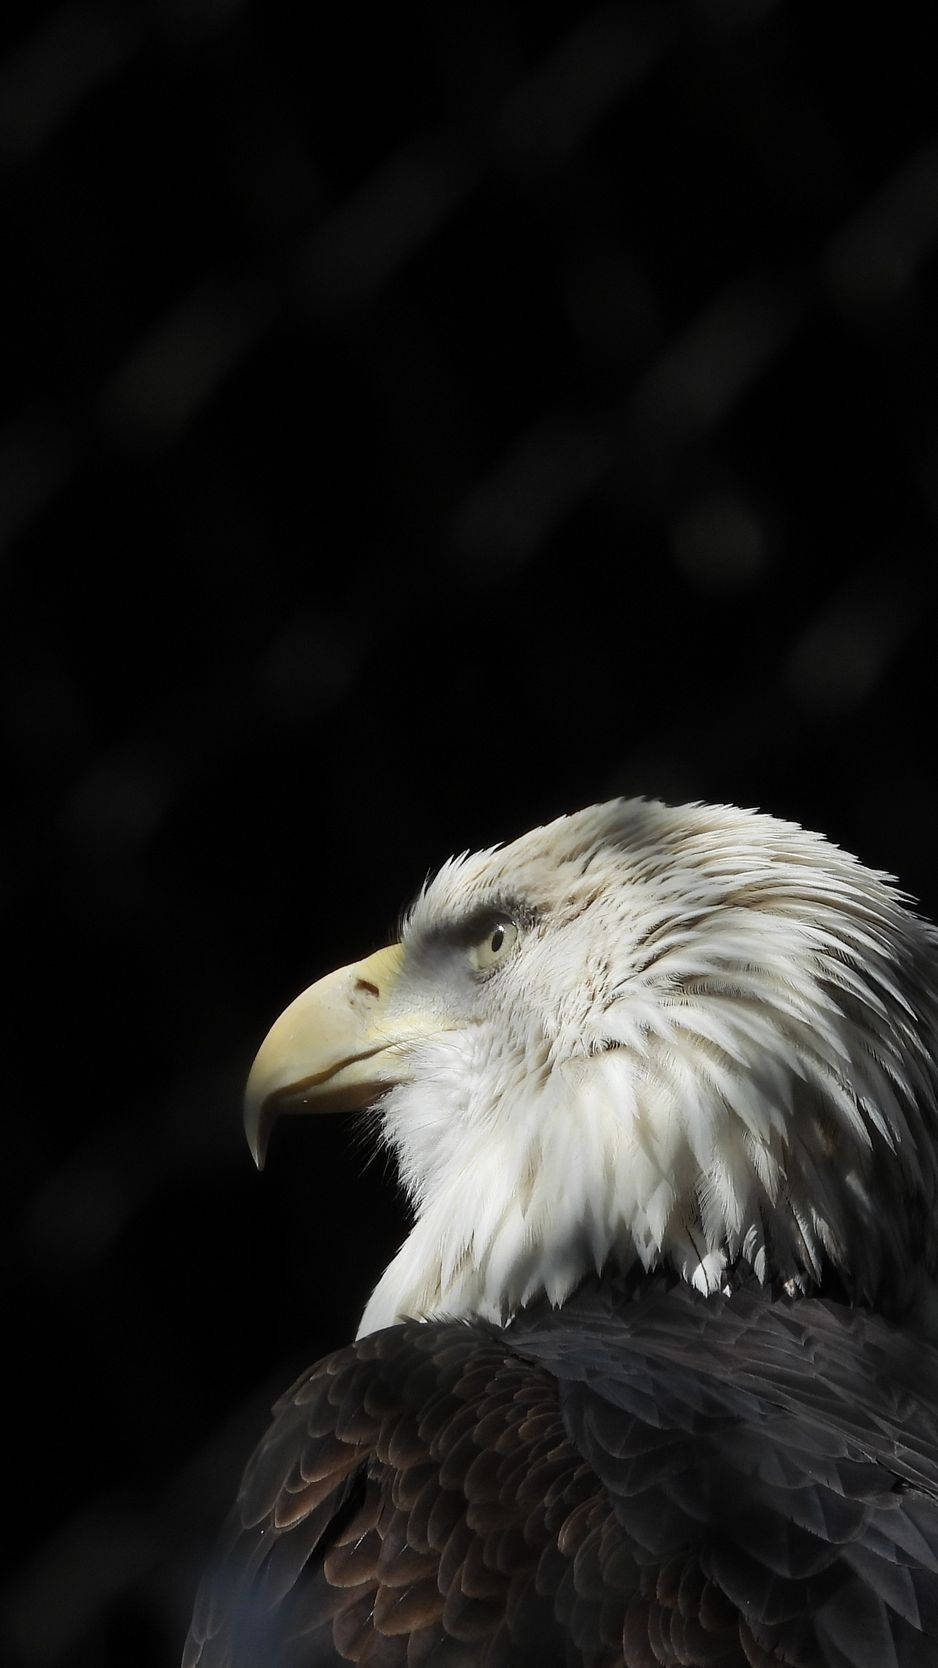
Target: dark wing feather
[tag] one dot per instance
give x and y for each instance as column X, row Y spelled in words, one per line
column 664, row 1481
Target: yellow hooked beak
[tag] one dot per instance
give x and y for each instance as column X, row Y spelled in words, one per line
column 334, row 1049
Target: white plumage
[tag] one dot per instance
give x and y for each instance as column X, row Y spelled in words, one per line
column 711, row 1044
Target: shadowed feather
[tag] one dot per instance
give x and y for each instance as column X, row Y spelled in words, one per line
column 647, row 1476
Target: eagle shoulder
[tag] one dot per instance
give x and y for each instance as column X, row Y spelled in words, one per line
column 668, row 1479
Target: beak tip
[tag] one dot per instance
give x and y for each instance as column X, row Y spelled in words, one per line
column 257, row 1127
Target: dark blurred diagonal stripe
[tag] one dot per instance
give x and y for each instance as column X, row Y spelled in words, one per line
column 182, row 363
column 48, row 75
column 875, row 259
column 359, row 248
column 584, row 77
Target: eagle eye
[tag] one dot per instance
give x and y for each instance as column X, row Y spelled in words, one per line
column 494, row 945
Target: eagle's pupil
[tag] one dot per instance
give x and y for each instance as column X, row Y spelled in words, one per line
column 497, row 940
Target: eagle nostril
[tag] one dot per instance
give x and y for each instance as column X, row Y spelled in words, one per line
column 368, row 987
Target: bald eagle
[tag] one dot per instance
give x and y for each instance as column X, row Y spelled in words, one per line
column 653, row 1379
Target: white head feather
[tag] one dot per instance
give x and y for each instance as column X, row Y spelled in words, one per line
column 711, row 1046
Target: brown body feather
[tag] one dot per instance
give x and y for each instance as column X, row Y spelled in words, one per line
column 650, row 1481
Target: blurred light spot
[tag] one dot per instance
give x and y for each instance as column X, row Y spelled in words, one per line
column 720, row 543
column 180, row 365
column 360, row 247
column 843, row 654
column 118, row 806
column 310, row 666
column 44, row 79
column 874, row 259
column 508, row 515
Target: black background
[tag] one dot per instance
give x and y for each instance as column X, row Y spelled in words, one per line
column 416, row 426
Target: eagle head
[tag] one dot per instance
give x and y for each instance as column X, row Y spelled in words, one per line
column 693, row 1037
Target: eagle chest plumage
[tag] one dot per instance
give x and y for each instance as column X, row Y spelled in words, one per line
column 653, row 1381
